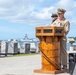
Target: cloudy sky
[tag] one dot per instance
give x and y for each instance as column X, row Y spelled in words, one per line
column 20, row 17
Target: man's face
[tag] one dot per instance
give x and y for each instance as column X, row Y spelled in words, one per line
column 60, row 15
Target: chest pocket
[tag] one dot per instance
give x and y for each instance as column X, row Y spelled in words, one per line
column 63, row 23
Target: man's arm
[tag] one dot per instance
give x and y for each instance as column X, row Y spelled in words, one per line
column 66, row 27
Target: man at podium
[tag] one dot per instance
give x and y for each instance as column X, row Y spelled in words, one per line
column 62, row 22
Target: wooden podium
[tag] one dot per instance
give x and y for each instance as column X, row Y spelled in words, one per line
column 49, row 48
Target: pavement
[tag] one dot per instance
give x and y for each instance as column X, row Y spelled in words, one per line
column 22, row 65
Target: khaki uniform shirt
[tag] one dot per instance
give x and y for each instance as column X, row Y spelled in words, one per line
column 62, row 23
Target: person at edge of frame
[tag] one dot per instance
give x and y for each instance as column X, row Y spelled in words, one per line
column 54, row 17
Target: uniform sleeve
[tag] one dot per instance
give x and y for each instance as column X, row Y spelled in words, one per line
column 53, row 24
column 67, row 26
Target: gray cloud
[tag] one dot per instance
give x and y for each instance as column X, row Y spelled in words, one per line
column 29, row 12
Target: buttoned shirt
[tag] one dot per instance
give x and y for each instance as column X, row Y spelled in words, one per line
column 62, row 23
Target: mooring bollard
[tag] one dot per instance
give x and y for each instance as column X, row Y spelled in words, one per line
column 72, row 62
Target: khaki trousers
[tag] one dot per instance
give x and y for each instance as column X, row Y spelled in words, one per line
column 63, row 52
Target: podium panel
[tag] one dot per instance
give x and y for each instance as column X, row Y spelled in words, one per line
column 49, row 31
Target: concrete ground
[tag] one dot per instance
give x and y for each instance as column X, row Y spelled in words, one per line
column 21, row 65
